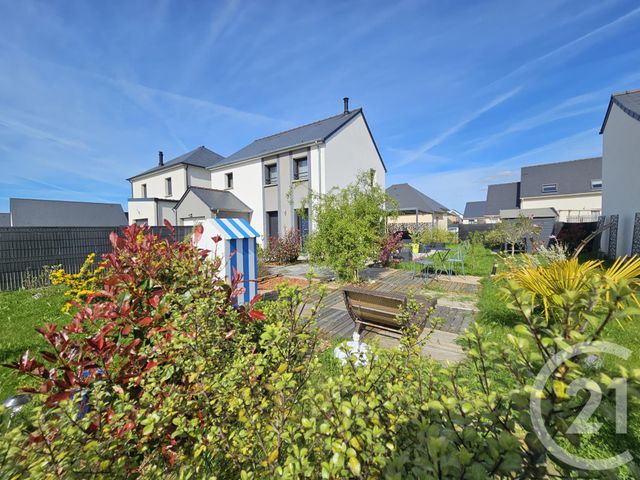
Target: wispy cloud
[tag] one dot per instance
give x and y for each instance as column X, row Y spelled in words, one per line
column 416, row 154
column 40, row 134
column 572, row 47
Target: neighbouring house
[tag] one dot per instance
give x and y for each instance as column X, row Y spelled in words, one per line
column 501, row 196
column 198, row 204
column 417, row 210
column 474, row 212
column 27, row 212
column 573, row 189
column 5, row 219
column 155, row 192
column 621, row 169
column 273, row 176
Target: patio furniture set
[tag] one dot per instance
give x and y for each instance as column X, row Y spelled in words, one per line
column 437, row 259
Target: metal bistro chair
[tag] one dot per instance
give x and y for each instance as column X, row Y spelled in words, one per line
column 457, row 259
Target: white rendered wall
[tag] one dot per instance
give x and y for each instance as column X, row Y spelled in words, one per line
column 247, row 186
column 349, row 152
column 143, row 209
column 156, row 184
column 620, row 175
column 569, row 205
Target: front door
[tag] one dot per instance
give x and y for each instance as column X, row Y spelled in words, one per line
column 302, row 224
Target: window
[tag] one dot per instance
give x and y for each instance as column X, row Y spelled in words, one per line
column 272, row 224
column 302, row 224
column 549, row 188
column 142, row 221
column 143, row 187
column 229, row 180
column 167, row 187
column 300, row 168
column 596, row 184
column 271, row 174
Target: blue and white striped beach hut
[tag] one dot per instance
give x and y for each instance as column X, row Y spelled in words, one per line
column 237, row 249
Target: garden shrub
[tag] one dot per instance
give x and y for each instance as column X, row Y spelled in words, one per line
column 284, row 249
column 391, row 244
column 159, row 375
column 348, row 226
column 79, row 285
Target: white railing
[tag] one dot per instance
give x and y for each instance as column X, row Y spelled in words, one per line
column 582, row 218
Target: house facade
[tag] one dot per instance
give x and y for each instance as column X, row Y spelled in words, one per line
column 415, row 209
column 573, row 189
column 621, row 167
column 474, row 212
column 273, row 176
column 266, row 182
column 156, row 192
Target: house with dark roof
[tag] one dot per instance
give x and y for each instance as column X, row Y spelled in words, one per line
column 156, row 191
column 28, row 212
column 414, row 207
column 199, row 203
column 621, row 169
column 274, row 175
column 501, row 196
column 573, row 189
column 474, row 212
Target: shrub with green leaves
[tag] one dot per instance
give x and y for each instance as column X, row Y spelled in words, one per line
column 348, row 225
column 182, row 384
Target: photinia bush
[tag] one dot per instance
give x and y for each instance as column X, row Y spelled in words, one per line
column 284, row 249
column 160, row 376
column 391, row 244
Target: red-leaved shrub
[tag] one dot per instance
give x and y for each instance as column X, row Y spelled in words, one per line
column 284, row 249
column 391, row 244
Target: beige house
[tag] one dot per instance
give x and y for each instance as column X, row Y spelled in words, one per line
column 155, row 192
column 621, row 168
column 417, row 209
column 573, row 189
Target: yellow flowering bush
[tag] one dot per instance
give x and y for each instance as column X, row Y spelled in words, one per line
column 80, row 285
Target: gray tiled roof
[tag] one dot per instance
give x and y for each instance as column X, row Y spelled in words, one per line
column 218, row 199
column 502, row 196
column 409, row 198
column 200, row 157
column 27, row 212
column 303, row 135
column 5, row 219
column 571, row 177
column 629, row 103
column 474, row 209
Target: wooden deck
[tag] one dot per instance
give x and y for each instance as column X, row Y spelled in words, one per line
column 335, row 322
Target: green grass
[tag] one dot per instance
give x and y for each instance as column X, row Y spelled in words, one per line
column 499, row 320
column 479, row 261
column 20, row 313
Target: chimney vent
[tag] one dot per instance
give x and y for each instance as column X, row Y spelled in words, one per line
column 346, row 105
column 160, row 159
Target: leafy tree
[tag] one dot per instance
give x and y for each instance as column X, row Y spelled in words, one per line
column 513, row 232
column 348, row 226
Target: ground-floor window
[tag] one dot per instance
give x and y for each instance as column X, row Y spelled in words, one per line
column 273, row 228
column 142, row 221
column 302, row 223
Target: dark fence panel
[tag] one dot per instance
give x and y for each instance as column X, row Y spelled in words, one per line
column 464, row 230
column 25, row 251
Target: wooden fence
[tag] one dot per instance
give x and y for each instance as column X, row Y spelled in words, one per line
column 25, row 252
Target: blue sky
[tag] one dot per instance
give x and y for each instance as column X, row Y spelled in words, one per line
column 457, row 94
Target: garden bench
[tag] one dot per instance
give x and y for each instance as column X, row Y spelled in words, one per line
column 373, row 308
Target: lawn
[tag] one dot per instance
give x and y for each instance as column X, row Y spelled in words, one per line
column 20, row 313
column 498, row 319
column 479, row 261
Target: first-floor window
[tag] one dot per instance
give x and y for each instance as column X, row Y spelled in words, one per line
column 300, row 168
column 143, row 189
column 167, row 187
column 229, row 180
column 271, row 174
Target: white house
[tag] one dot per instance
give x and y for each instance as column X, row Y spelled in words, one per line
column 155, row 192
column 621, row 166
column 273, row 175
column 265, row 182
column 573, row 189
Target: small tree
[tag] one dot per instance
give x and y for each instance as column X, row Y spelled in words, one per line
column 515, row 231
column 348, row 225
